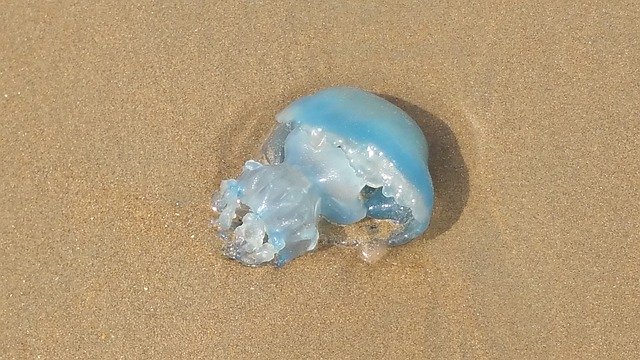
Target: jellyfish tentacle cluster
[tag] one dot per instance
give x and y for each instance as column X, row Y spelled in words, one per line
column 342, row 154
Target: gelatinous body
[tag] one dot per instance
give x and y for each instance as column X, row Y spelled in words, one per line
column 342, row 154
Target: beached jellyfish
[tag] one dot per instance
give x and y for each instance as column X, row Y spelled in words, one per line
column 342, row 154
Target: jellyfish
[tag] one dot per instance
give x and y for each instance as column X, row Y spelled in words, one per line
column 342, row 154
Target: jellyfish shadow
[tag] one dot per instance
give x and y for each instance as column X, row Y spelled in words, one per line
column 447, row 167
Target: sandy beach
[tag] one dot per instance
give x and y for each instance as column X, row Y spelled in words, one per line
column 118, row 122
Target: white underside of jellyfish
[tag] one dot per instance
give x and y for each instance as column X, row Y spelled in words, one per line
column 271, row 212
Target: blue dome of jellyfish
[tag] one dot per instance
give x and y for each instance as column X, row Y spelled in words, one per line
column 342, row 154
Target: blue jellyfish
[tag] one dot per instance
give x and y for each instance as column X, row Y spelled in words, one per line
column 342, row 154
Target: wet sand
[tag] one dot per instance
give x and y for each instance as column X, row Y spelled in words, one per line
column 117, row 122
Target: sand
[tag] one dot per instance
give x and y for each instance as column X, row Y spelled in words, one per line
column 117, row 122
